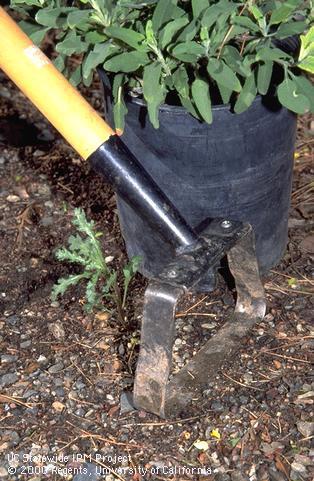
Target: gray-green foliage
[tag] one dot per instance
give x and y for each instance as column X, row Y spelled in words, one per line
column 101, row 281
column 190, row 48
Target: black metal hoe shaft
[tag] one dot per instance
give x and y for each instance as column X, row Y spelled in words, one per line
column 136, row 187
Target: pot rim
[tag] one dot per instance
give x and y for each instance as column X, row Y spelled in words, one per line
column 180, row 110
column 176, row 109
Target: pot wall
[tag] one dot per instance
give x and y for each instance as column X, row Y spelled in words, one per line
column 240, row 168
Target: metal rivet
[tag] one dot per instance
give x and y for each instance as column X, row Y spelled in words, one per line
column 172, row 274
column 226, row 224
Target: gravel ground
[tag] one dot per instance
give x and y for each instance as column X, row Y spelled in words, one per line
column 62, row 371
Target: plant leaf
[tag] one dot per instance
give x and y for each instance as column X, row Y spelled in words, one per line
column 169, row 31
column 38, row 37
column 76, row 76
column 256, row 12
column 181, row 82
column 189, row 32
column 269, row 54
column 119, row 110
column 128, row 272
column 154, row 91
column 72, row 43
column 59, row 62
column 223, row 74
column 198, row 6
column 264, row 75
column 64, row 283
column 282, row 13
column 307, row 64
column 234, row 441
column 126, row 35
column 182, row 86
column 132, row 267
column 306, row 56
column 210, row 16
column 35, row 3
column 307, row 44
column 65, row 254
column 288, row 29
column 213, row 12
column 109, row 283
column 78, row 18
column 163, row 13
column 246, row 96
column 88, row 80
column 92, row 296
column 188, row 52
column 290, row 98
column 49, row 17
column 126, row 62
column 35, row 32
column 234, row 60
column 94, row 37
column 189, row 106
column 150, row 34
column 95, row 57
column 246, row 22
column 201, row 97
column 306, row 88
column 225, row 93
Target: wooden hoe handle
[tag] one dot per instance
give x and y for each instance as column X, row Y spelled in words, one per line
column 29, row 68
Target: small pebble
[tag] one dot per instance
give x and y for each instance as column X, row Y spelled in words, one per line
column 56, row 368
column 79, row 385
column 42, row 359
column 46, row 221
column 217, row 406
column 121, row 349
column 297, row 470
column 8, row 379
column 12, row 198
column 209, row 325
column 306, row 428
column 12, row 320
column 90, row 475
column 7, row 358
column 80, row 412
column 3, row 472
column 46, row 135
column 57, row 330
column 126, row 403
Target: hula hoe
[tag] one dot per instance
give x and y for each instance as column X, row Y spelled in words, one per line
column 97, row 143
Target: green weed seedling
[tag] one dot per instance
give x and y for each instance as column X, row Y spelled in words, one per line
column 102, row 282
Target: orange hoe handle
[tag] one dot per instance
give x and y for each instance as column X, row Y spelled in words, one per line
column 50, row 92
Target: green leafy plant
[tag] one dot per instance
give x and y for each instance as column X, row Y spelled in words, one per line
column 191, row 52
column 101, row 281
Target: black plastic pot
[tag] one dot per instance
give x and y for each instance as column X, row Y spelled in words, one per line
column 240, row 168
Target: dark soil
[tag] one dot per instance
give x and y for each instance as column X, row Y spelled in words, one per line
column 63, row 371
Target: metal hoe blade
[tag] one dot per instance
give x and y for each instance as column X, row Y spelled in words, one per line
column 153, row 391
